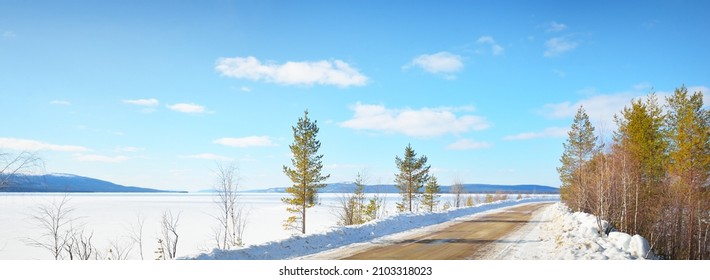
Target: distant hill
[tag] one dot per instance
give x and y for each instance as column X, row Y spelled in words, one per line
column 69, row 183
column 469, row 188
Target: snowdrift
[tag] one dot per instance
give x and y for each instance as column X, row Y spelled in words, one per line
column 576, row 236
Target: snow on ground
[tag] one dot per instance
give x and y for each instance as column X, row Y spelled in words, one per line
column 556, row 233
column 299, row 246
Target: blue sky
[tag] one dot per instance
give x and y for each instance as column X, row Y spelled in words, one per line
column 152, row 93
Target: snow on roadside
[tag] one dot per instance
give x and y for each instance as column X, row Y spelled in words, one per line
column 558, row 234
column 302, row 245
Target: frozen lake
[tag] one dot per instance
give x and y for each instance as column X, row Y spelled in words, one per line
column 112, row 216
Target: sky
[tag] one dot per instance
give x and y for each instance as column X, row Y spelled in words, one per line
column 155, row 93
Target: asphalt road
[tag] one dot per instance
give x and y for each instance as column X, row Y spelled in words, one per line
column 466, row 240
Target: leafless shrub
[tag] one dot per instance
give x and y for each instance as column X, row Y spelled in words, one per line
column 232, row 217
column 168, row 243
column 136, row 234
column 54, row 221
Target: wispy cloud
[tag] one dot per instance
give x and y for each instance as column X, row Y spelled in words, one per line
column 245, row 89
column 9, row 34
column 188, row 108
column 150, row 102
column 34, row 145
column 550, row 132
column 496, row 49
column 425, row 122
column 468, row 144
column 129, row 149
column 100, row 158
column 444, row 63
column 558, row 46
column 208, row 156
column 246, row 142
column 601, row 107
column 60, row 102
column 323, row 72
column 555, row 27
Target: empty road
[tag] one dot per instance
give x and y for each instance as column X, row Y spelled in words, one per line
column 462, row 241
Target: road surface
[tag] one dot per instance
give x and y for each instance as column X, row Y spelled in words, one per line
column 469, row 239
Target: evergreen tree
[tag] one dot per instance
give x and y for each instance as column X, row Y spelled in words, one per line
column 305, row 174
column 578, row 149
column 641, row 136
column 688, row 127
column 430, row 198
column 688, row 133
column 413, row 173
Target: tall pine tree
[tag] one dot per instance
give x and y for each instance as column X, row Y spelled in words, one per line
column 413, row 173
column 578, row 150
column 641, row 136
column 688, row 132
column 305, row 174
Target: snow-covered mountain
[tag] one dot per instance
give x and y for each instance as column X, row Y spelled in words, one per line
column 59, row 182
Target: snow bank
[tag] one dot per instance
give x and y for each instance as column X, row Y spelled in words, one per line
column 297, row 246
column 581, row 238
column 562, row 234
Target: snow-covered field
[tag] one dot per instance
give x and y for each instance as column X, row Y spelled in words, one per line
column 113, row 216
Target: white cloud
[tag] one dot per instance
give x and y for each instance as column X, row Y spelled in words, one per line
column 467, row 144
column 245, row 89
column 550, row 132
column 438, row 63
column 9, row 34
column 488, row 40
column 425, row 122
column 100, row 158
column 33, row 145
column 323, row 72
column 189, row 108
column 60, row 102
column 208, row 156
column 245, row 142
column 556, row 27
column 152, row 102
column 601, row 107
column 559, row 45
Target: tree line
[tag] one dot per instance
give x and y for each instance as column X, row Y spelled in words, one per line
column 651, row 178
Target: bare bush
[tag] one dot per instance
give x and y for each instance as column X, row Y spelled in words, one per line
column 232, row 217
column 458, row 190
column 78, row 245
column 54, row 220
column 136, row 234
column 169, row 241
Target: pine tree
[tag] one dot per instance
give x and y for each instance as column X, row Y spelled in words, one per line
column 688, row 132
column 413, row 173
column 688, row 127
column 578, row 149
column 305, row 174
column 430, row 198
column 641, row 136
